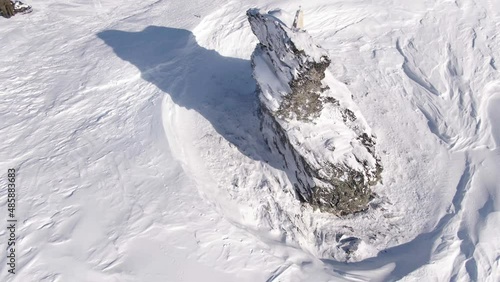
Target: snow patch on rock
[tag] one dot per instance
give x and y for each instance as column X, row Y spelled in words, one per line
column 312, row 122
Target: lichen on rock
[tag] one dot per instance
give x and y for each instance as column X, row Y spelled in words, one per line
column 310, row 119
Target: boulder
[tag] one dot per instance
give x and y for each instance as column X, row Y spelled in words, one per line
column 311, row 120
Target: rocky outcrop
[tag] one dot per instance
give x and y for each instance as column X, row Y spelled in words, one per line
column 310, row 119
column 17, row 7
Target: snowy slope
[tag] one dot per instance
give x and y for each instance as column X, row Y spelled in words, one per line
column 134, row 130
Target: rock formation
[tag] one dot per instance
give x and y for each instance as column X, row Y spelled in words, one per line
column 311, row 121
column 17, row 7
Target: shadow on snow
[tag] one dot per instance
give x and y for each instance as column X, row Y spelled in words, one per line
column 220, row 88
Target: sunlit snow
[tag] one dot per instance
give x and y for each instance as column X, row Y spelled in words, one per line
column 134, row 129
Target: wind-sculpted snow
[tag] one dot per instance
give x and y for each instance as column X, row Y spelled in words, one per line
column 135, row 131
column 317, row 128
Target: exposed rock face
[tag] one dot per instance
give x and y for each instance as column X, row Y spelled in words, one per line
column 19, row 8
column 310, row 119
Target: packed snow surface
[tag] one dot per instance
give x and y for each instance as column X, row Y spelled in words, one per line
column 134, row 129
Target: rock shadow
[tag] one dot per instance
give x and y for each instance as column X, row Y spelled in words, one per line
column 220, row 88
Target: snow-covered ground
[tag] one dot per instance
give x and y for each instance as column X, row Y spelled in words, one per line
column 134, row 130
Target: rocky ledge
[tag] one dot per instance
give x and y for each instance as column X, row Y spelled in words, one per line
column 310, row 119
